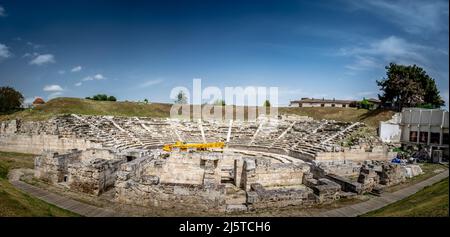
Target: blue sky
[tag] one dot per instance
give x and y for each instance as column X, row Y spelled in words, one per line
column 143, row 49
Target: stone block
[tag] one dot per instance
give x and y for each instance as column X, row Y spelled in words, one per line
column 252, row 197
column 149, row 180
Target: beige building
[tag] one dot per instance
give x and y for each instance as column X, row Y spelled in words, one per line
column 307, row 102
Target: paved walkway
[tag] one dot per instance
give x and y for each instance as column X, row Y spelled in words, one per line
column 63, row 202
column 384, row 200
column 87, row 210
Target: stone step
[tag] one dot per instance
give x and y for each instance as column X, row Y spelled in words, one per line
column 236, row 208
column 236, row 196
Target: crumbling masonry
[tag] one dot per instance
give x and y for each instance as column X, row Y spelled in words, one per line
column 271, row 162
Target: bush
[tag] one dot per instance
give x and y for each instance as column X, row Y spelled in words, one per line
column 365, row 104
column 102, row 97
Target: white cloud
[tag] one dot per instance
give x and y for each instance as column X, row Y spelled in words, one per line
column 363, row 63
column 34, row 46
column 413, row 16
column 391, row 49
column 43, row 59
column 95, row 77
column 150, row 83
column 2, row 11
column 99, row 77
column 4, row 52
column 54, row 94
column 61, row 72
column 53, row 88
column 78, row 84
column 30, row 55
column 76, row 69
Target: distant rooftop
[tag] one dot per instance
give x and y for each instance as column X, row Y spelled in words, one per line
column 312, row 100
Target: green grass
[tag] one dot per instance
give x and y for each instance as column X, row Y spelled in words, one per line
column 65, row 105
column 430, row 202
column 16, row 203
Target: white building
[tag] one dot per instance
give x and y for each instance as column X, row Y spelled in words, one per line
column 390, row 130
column 425, row 126
column 416, row 126
column 307, row 102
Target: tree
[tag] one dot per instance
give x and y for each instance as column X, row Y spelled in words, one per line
column 10, row 99
column 219, row 102
column 365, row 104
column 266, row 103
column 146, row 101
column 408, row 86
column 102, row 97
column 181, row 98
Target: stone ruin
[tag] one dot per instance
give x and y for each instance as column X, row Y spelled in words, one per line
column 298, row 137
column 267, row 163
column 376, row 175
column 92, row 171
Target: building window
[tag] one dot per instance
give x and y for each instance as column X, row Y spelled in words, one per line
column 423, row 137
column 435, row 137
column 300, row 105
column 332, row 105
column 322, row 105
column 343, row 106
column 413, row 136
column 445, row 138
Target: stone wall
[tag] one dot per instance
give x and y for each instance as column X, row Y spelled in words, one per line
column 80, row 170
column 325, row 190
column 260, row 197
column 346, row 184
column 270, row 174
column 36, row 144
column 138, row 183
column 188, row 168
column 378, row 153
column 377, row 175
column 105, row 154
column 93, row 176
column 343, row 168
column 53, row 167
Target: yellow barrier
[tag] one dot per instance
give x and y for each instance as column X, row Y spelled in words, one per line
column 199, row 146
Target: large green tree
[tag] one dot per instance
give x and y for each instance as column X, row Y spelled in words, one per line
column 409, row 86
column 10, row 99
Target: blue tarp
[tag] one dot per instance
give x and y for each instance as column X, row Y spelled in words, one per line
column 396, row 160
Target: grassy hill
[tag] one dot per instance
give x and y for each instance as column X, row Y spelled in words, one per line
column 432, row 201
column 90, row 107
column 64, row 105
